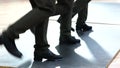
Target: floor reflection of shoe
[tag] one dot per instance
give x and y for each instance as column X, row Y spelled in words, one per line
column 68, row 40
column 47, row 54
column 10, row 46
column 84, row 28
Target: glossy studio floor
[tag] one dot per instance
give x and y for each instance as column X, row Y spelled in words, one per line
column 96, row 49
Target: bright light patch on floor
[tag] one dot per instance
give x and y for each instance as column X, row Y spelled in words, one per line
column 84, row 52
column 57, row 67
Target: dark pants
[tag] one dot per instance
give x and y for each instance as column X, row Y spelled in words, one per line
column 64, row 8
column 35, row 19
column 40, row 31
column 80, row 7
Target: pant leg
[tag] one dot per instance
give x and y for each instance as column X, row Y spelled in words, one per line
column 40, row 32
column 33, row 4
column 65, row 22
column 78, row 6
column 41, row 38
column 43, row 10
column 82, row 16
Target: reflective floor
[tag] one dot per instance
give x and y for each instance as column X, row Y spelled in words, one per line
column 96, row 49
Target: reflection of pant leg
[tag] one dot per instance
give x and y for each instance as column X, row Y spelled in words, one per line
column 28, row 21
column 41, row 35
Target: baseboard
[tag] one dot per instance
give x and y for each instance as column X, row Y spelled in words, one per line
column 115, row 62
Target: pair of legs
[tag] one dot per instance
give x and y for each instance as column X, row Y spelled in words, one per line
column 41, row 12
column 81, row 8
column 64, row 8
column 40, row 31
column 41, row 45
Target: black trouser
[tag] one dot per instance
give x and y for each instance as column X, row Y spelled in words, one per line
column 40, row 32
column 80, row 7
column 63, row 7
column 35, row 19
column 65, row 26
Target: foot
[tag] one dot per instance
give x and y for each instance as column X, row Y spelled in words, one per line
column 84, row 28
column 47, row 54
column 10, row 46
column 69, row 40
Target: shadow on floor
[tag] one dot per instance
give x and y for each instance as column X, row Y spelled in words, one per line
column 70, row 60
column 101, row 56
